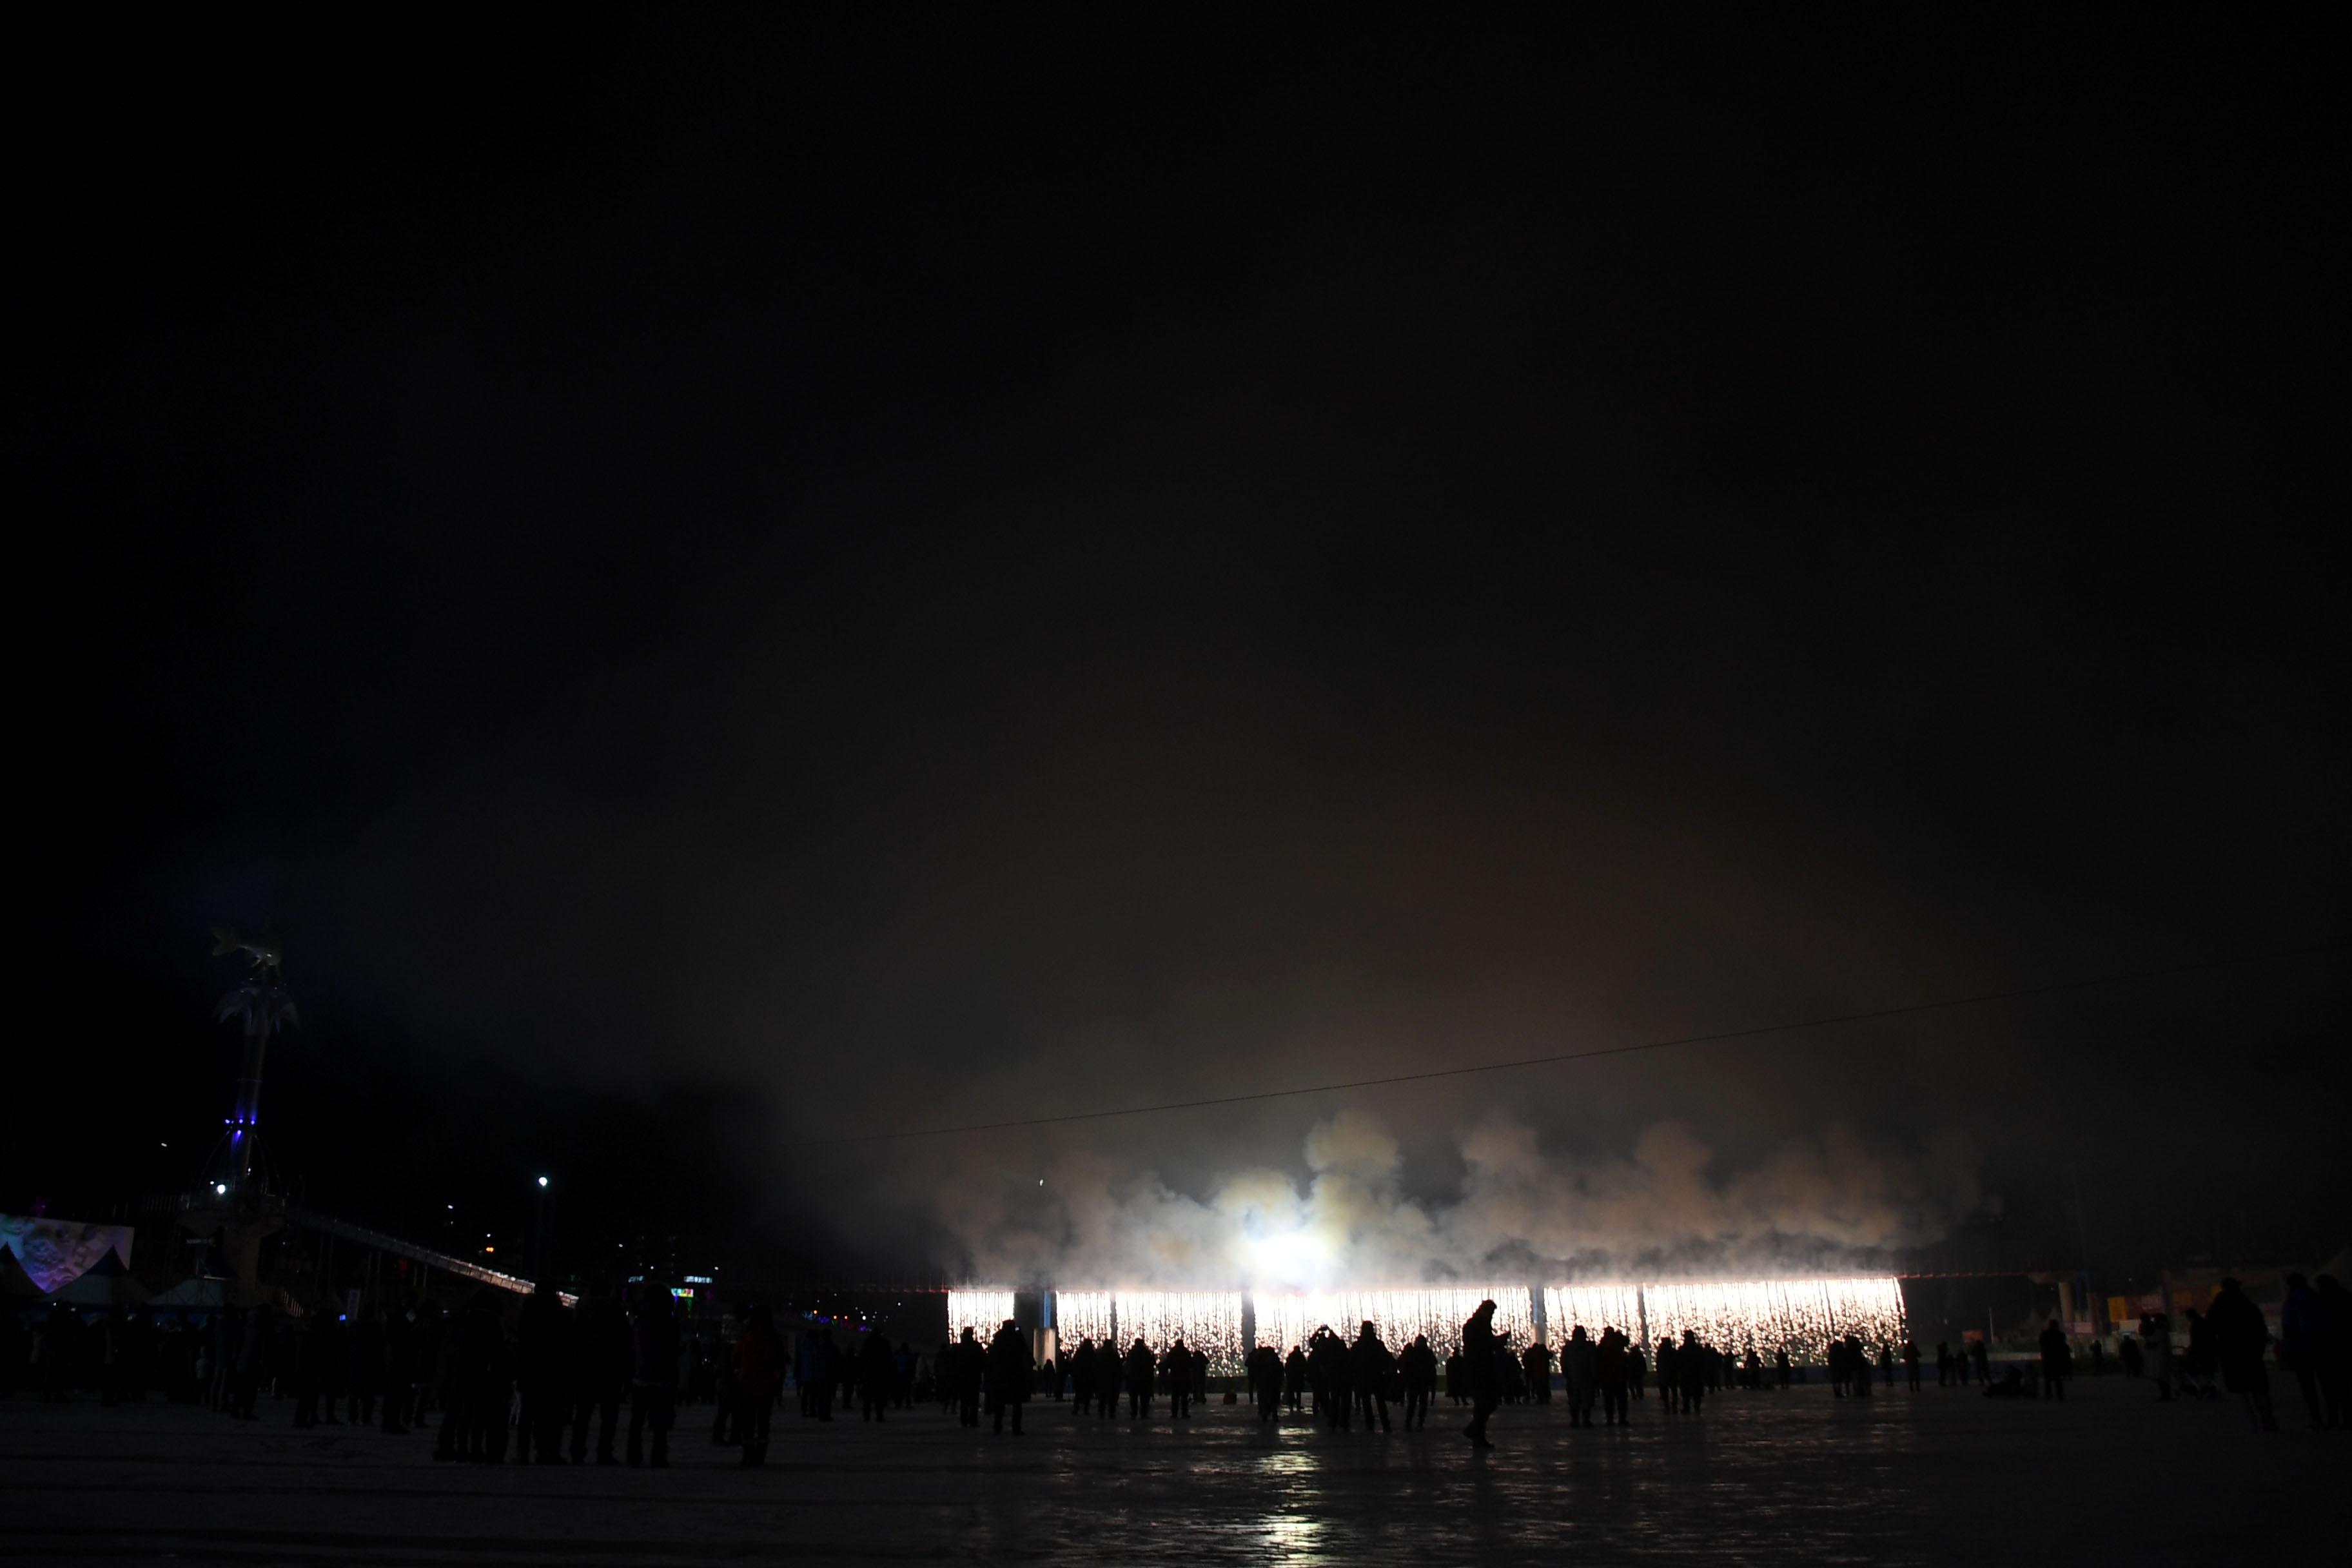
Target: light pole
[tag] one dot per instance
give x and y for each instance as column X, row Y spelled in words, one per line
column 538, row 1235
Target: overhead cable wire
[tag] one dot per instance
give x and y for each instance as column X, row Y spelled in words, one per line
column 1867, row 1015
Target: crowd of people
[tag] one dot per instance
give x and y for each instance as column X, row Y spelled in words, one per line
column 555, row 1386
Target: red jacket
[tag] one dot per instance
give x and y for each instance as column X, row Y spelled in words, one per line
column 759, row 1363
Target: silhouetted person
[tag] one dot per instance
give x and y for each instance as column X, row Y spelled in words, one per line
column 759, row 1378
column 1294, row 1379
column 1478, row 1356
column 542, row 1361
column 1010, row 1373
column 652, row 1375
column 876, row 1374
column 1370, row 1367
column 2241, row 1334
column 469, row 1345
column 971, row 1374
column 1536, row 1361
column 1982, row 1360
column 1911, row 1363
column 1690, row 1368
column 1081, row 1362
column 1670, row 1388
column 1200, row 1375
column 1265, row 1367
column 1580, row 1368
column 399, row 1347
column 1107, row 1367
column 1612, row 1370
column 2335, row 1351
column 1326, row 1377
column 1457, row 1377
column 2057, row 1359
column 2302, row 1338
column 601, row 1359
column 1178, row 1366
column 1418, row 1363
column 363, row 1365
column 1637, row 1370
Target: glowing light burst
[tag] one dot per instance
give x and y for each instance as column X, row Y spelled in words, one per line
column 1803, row 1315
column 1210, row 1321
column 983, row 1311
column 1285, row 1318
column 1084, row 1315
column 1597, row 1307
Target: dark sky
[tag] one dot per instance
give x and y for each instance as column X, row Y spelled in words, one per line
column 723, row 578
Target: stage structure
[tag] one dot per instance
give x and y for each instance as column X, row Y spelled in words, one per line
column 1798, row 1315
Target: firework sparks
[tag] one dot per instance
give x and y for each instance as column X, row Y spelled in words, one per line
column 1285, row 1318
column 1210, row 1321
column 1084, row 1315
column 1597, row 1307
column 1802, row 1315
column 983, row 1311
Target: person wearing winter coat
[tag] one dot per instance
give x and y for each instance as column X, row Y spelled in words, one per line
column 1011, row 1371
column 1580, row 1367
column 653, row 1376
column 2241, row 1334
column 1612, row 1362
column 759, row 1378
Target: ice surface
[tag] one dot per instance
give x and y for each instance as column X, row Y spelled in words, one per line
column 1940, row 1477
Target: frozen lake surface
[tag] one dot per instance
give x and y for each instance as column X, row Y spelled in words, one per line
column 1940, row 1477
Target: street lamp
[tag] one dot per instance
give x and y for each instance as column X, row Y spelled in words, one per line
column 539, row 1234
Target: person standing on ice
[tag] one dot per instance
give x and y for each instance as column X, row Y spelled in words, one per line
column 1010, row 1373
column 1419, row 1363
column 2057, row 1359
column 1106, row 1372
column 1478, row 1353
column 1690, row 1367
column 1370, row 1367
column 1177, row 1364
column 1609, row 1359
column 1580, row 1367
column 2241, row 1334
column 1139, row 1365
column 1265, row 1366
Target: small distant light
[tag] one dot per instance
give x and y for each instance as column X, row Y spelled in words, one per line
column 543, row 1181
column 220, row 1187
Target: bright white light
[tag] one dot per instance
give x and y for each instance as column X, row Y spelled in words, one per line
column 1294, row 1257
column 979, row 1310
column 1285, row 1317
column 1801, row 1315
column 221, row 1187
column 543, row 1181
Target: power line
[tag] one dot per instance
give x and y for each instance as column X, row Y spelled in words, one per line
column 1558, row 1057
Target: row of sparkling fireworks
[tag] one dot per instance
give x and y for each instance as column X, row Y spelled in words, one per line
column 1800, row 1316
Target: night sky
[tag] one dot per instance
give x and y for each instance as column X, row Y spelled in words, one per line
column 727, row 579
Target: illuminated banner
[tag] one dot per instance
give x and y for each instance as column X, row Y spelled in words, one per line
column 55, row 1253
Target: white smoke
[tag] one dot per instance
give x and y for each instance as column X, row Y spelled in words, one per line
column 1662, row 1210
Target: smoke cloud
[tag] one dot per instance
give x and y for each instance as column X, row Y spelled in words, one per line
column 1662, row 1210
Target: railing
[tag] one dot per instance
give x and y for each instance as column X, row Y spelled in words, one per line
column 343, row 1230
